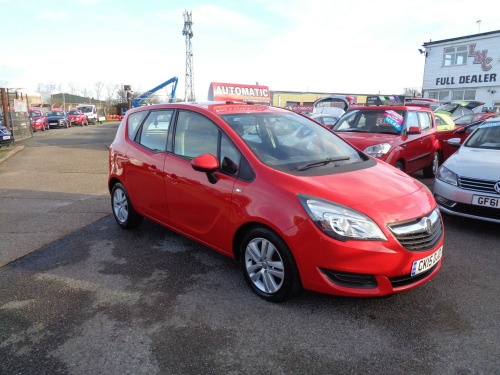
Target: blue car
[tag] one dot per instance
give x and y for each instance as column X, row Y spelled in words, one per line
column 5, row 137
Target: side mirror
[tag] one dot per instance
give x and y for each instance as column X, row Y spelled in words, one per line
column 206, row 163
column 455, row 142
column 414, row 130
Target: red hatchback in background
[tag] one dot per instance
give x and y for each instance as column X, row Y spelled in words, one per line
column 403, row 136
column 296, row 205
column 77, row 117
column 38, row 120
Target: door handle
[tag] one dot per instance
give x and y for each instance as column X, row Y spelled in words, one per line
column 153, row 170
column 173, row 178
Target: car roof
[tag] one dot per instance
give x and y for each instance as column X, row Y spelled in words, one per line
column 217, row 108
column 391, row 108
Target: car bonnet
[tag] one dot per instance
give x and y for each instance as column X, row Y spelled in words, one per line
column 475, row 163
column 366, row 186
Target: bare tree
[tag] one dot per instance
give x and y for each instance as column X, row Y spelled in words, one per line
column 46, row 87
column 73, row 88
column 98, row 87
column 413, row 92
column 111, row 90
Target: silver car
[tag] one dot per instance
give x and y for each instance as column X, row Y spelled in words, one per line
column 468, row 183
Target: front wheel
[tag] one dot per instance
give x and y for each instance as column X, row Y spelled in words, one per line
column 123, row 211
column 268, row 265
column 399, row 165
column 431, row 170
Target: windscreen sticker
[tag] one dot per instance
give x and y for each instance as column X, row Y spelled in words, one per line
column 490, row 125
column 394, row 118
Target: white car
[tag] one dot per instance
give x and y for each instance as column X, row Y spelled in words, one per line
column 468, row 183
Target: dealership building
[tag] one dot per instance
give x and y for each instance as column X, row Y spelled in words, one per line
column 463, row 68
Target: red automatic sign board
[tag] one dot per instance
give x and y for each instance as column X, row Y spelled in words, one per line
column 231, row 92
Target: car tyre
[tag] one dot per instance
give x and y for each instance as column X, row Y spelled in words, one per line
column 431, row 170
column 268, row 265
column 399, row 165
column 123, row 210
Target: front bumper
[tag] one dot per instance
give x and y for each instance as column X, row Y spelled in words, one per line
column 453, row 200
column 357, row 268
column 6, row 142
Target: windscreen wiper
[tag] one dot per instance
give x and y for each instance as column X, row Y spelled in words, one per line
column 321, row 162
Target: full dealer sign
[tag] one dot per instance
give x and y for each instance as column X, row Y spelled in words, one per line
column 479, row 58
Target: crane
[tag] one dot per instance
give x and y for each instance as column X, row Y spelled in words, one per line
column 141, row 99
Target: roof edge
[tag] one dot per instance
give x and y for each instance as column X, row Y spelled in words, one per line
column 460, row 37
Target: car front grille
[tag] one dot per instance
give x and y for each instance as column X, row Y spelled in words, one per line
column 484, row 186
column 420, row 234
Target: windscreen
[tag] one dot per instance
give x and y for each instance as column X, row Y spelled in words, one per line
column 85, row 109
column 487, row 136
column 371, row 121
column 290, row 142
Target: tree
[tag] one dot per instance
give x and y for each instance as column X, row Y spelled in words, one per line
column 98, row 87
column 46, row 87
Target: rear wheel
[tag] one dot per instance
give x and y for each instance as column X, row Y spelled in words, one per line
column 431, row 170
column 123, row 211
column 268, row 265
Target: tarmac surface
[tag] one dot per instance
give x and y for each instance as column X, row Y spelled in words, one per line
column 80, row 295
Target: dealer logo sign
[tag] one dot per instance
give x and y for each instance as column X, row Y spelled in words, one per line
column 497, row 187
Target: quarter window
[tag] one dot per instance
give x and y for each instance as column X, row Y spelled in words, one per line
column 154, row 132
column 229, row 156
column 134, row 120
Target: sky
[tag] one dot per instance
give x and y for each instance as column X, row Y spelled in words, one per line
column 327, row 46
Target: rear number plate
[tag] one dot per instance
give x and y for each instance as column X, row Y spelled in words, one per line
column 426, row 263
column 479, row 200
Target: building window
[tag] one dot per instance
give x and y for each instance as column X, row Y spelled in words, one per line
column 442, row 96
column 455, row 56
column 464, row 94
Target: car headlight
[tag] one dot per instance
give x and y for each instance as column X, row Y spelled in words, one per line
column 445, row 175
column 378, row 150
column 340, row 222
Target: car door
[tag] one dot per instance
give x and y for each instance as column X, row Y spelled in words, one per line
column 198, row 207
column 147, row 153
column 416, row 145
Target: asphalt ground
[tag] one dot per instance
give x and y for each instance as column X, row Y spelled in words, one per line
column 80, row 295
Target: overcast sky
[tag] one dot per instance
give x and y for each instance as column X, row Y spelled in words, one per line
column 331, row 46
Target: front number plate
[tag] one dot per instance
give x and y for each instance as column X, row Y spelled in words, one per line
column 6, row 137
column 479, row 200
column 426, row 263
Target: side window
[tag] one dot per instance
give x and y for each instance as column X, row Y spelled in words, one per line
column 425, row 120
column 229, row 156
column 411, row 119
column 439, row 121
column 195, row 135
column 134, row 120
column 154, row 132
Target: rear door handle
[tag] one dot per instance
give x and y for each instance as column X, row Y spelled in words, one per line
column 153, row 170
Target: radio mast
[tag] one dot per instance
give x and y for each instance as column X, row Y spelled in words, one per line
column 188, row 33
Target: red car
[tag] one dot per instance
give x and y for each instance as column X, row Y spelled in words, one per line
column 296, row 205
column 38, row 120
column 403, row 136
column 77, row 117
